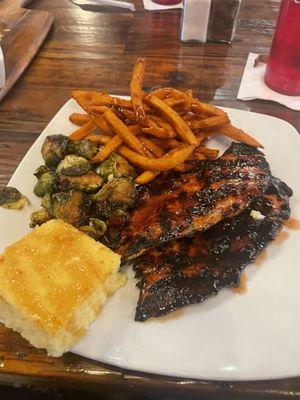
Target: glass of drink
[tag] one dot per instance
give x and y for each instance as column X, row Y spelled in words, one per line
column 283, row 68
column 167, row 2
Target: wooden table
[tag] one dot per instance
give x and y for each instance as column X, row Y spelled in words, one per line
column 91, row 50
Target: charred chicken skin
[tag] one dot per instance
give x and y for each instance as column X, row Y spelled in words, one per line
column 188, row 270
column 177, row 205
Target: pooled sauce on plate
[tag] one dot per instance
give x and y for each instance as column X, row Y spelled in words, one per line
column 170, row 317
column 242, row 288
column 281, row 237
column 261, row 258
column 293, row 223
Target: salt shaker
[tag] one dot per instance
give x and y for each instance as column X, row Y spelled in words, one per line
column 209, row 20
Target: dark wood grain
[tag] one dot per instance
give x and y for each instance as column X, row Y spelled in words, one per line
column 22, row 33
column 91, row 50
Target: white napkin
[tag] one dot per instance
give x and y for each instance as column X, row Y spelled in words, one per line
column 149, row 5
column 2, row 70
column 253, row 86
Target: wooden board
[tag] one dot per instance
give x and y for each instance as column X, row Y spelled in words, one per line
column 21, row 34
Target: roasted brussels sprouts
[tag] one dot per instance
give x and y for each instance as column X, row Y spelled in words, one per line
column 72, row 207
column 39, row 217
column 95, row 229
column 45, row 184
column 89, row 182
column 42, row 169
column 99, row 225
column 73, row 166
column 83, row 148
column 47, row 203
column 54, row 149
column 120, row 192
column 11, row 198
column 115, row 166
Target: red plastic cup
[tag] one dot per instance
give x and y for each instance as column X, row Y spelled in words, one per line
column 283, row 68
column 167, row 2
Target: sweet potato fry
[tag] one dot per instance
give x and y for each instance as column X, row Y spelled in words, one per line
column 146, row 177
column 198, row 107
column 170, row 132
column 173, row 97
column 137, row 92
column 165, row 129
column 111, row 146
column 124, row 133
column 208, row 123
column 128, row 114
column 98, row 109
column 104, row 99
column 176, row 103
column 178, row 123
column 83, row 98
column 83, row 131
column 204, row 152
column 79, row 119
column 167, row 92
column 135, row 129
column 174, row 144
column 158, row 131
column 168, row 161
column 102, row 124
column 151, row 146
column 103, row 139
column 238, row 135
column 162, row 143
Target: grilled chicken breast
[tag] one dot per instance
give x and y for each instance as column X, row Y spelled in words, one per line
column 178, row 205
column 188, row 270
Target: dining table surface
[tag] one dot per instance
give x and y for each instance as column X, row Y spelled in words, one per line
column 92, row 48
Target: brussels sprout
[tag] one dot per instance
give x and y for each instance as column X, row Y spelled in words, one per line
column 99, row 225
column 39, row 217
column 90, row 231
column 95, row 229
column 11, row 198
column 54, row 149
column 120, row 192
column 42, row 169
column 72, row 207
column 83, row 148
column 89, row 182
column 47, row 203
column 73, row 166
column 45, row 184
column 117, row 167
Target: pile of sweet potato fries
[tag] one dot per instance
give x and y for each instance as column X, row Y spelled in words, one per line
column 157, row 131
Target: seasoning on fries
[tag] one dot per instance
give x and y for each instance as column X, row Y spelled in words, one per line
column 158, row 131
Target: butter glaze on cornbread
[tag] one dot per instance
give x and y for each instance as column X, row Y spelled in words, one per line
column 53, row 283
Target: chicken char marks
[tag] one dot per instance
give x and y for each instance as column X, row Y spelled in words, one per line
column 178, row 205
column 188, row 270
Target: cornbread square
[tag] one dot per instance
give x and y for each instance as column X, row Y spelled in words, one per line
column 53, row 283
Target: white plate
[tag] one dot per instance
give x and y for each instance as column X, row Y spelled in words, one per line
column 252, row 336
